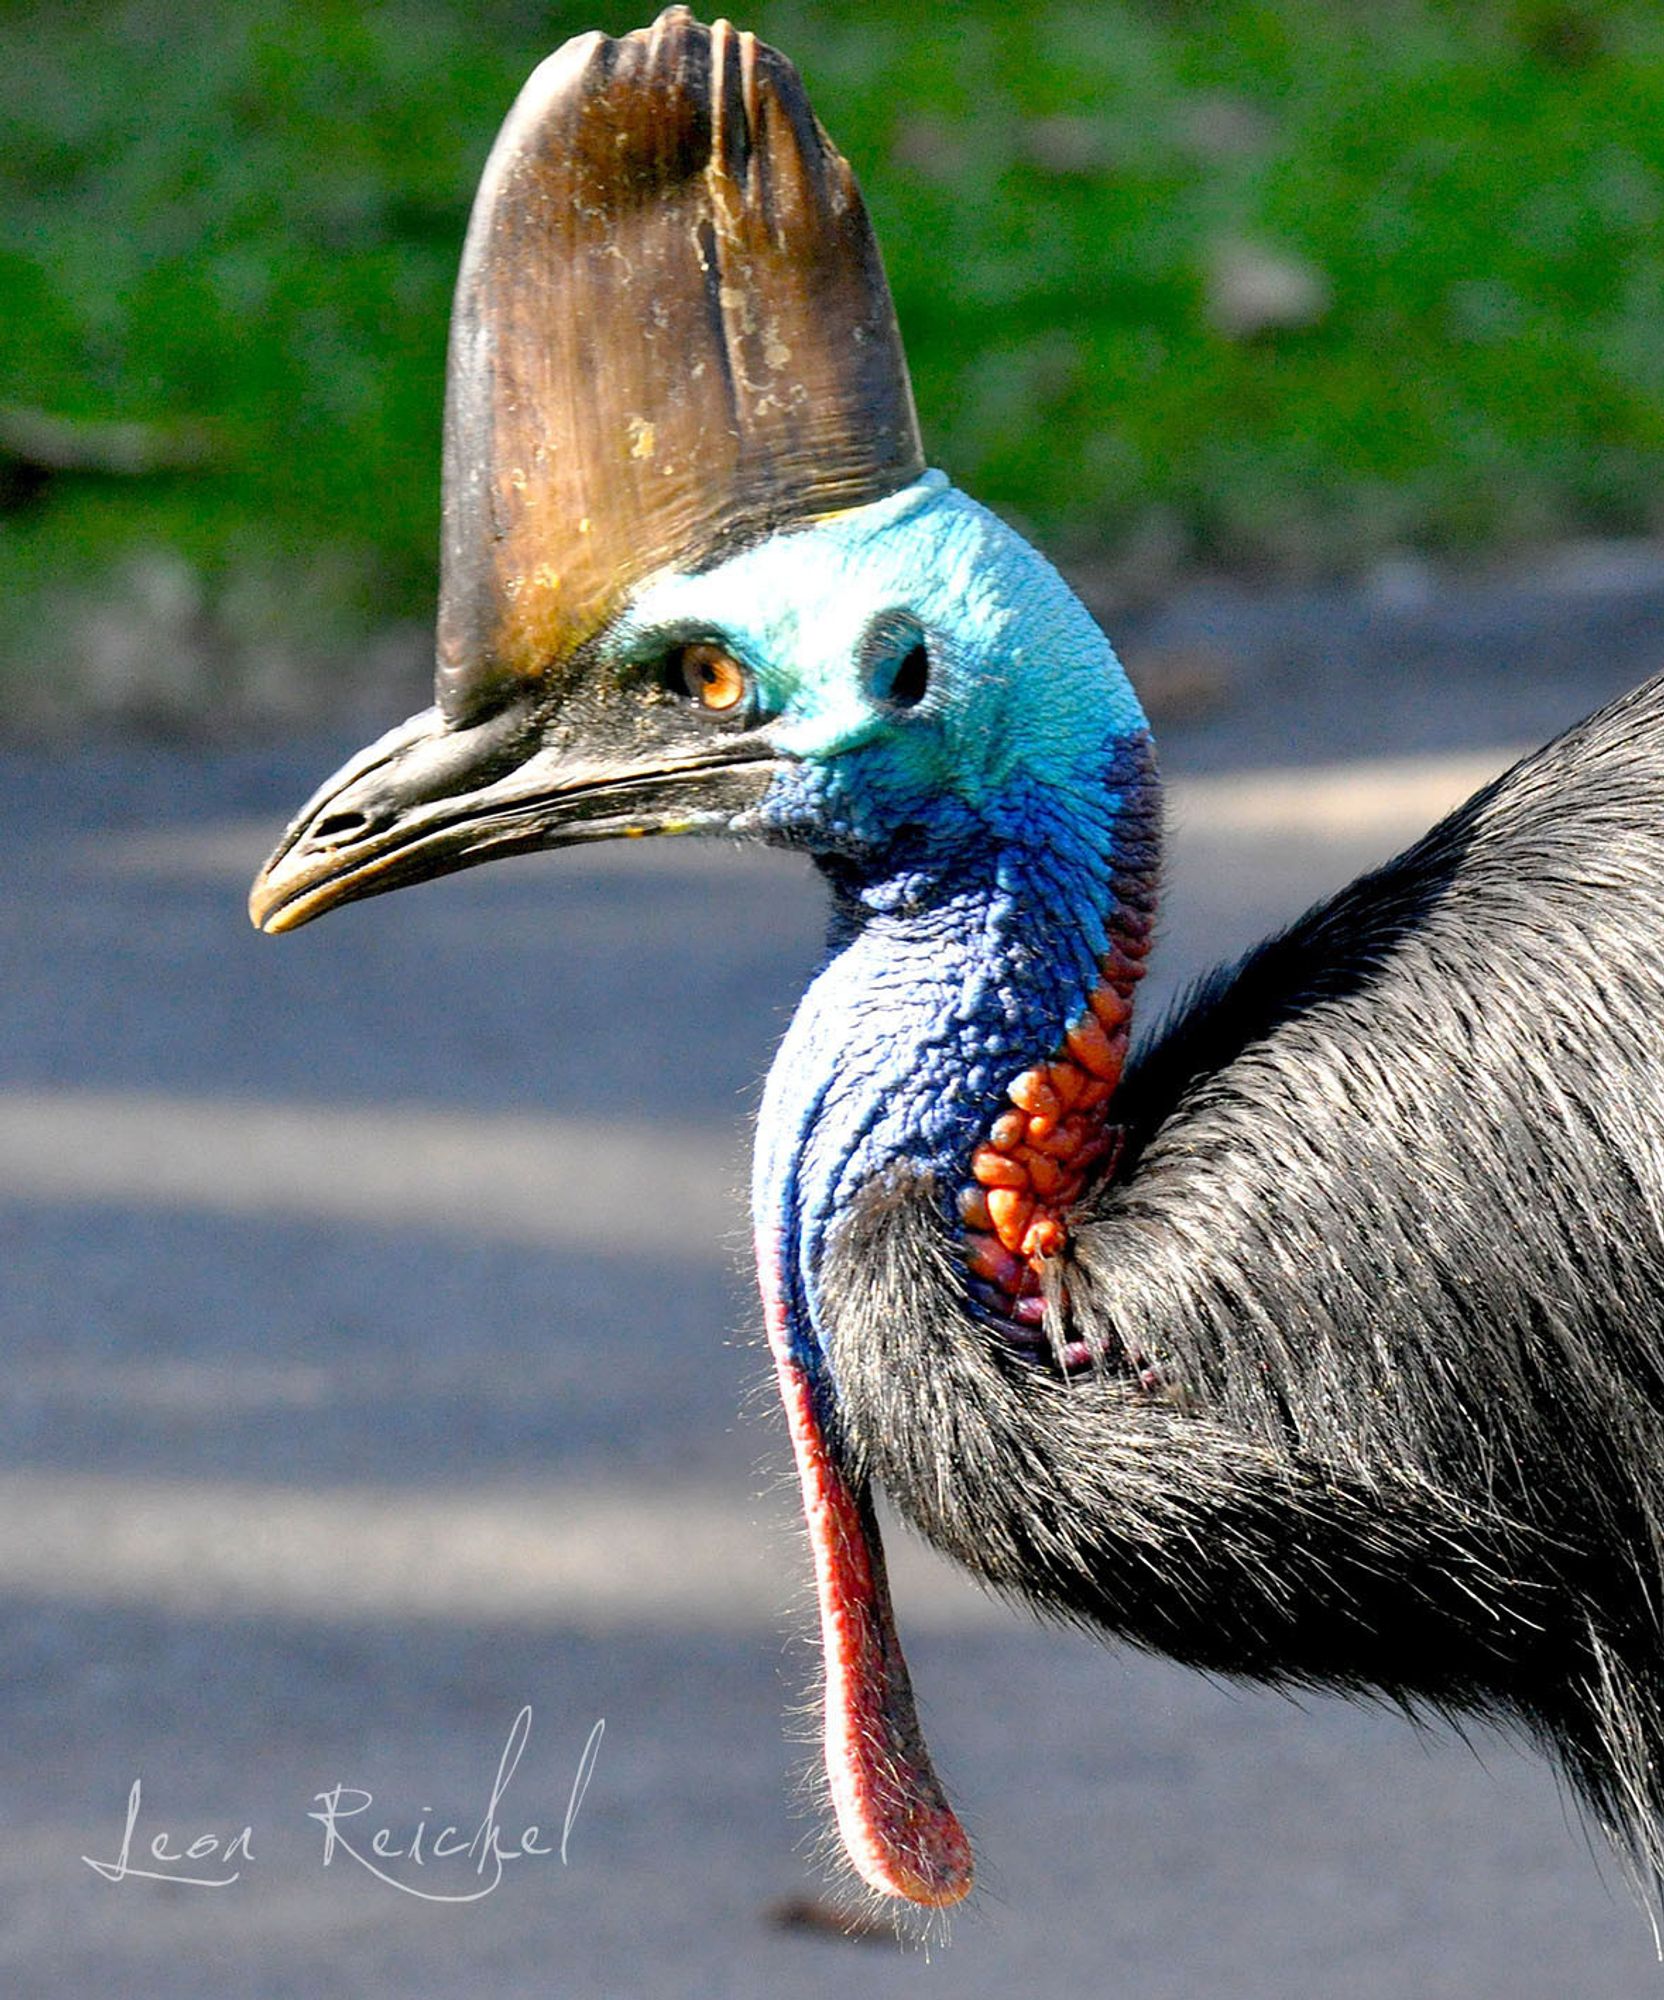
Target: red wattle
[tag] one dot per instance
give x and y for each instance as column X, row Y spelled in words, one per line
column 896, row 1823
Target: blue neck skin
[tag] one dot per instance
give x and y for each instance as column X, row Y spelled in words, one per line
column 956, row 961
column 971, row 845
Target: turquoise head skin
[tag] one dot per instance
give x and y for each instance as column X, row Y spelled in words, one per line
column 1023, row 685
column 971, row 810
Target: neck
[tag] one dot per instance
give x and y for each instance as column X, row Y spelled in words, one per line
column 968, row 1028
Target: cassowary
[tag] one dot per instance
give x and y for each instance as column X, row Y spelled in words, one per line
column 1320, row 1341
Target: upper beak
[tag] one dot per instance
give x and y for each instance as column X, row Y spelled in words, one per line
column 431, row 797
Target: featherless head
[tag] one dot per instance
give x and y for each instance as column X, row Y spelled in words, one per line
column 913, row 664
column 690, row 550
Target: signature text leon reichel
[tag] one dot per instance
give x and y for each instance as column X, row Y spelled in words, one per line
column 436, row 1863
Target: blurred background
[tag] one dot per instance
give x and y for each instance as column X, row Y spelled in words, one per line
column 379, row 1354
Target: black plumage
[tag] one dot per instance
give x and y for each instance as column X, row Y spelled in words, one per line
column 1378, row 1290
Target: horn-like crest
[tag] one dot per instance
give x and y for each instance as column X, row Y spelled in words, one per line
column 672, row 335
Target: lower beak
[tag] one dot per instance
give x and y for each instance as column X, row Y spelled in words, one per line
column 429, row 798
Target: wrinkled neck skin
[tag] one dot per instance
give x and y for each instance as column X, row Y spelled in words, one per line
column 959, row 956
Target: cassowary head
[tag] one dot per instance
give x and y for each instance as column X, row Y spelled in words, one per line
column 899, row 686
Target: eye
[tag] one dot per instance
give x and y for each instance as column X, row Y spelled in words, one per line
column 709, row 676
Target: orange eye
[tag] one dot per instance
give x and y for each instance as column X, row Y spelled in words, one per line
column 712, row 677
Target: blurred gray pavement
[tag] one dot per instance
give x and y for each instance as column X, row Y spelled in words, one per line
column 379, row 1359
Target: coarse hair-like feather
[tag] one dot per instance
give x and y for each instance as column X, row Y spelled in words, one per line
column 1378, row 1290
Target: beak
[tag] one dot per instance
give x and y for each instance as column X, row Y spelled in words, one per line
column 432, row 796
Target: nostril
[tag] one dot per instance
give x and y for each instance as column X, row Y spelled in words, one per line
column 337, row 829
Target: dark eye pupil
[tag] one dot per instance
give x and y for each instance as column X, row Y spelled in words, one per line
column 709, row 676
column 912, row 678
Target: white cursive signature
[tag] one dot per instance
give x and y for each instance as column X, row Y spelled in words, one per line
column 487, row 1850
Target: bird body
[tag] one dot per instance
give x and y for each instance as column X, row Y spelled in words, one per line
column 1390, row 1223
column 1319, row 1342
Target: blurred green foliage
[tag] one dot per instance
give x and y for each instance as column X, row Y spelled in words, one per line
column 246, row 214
